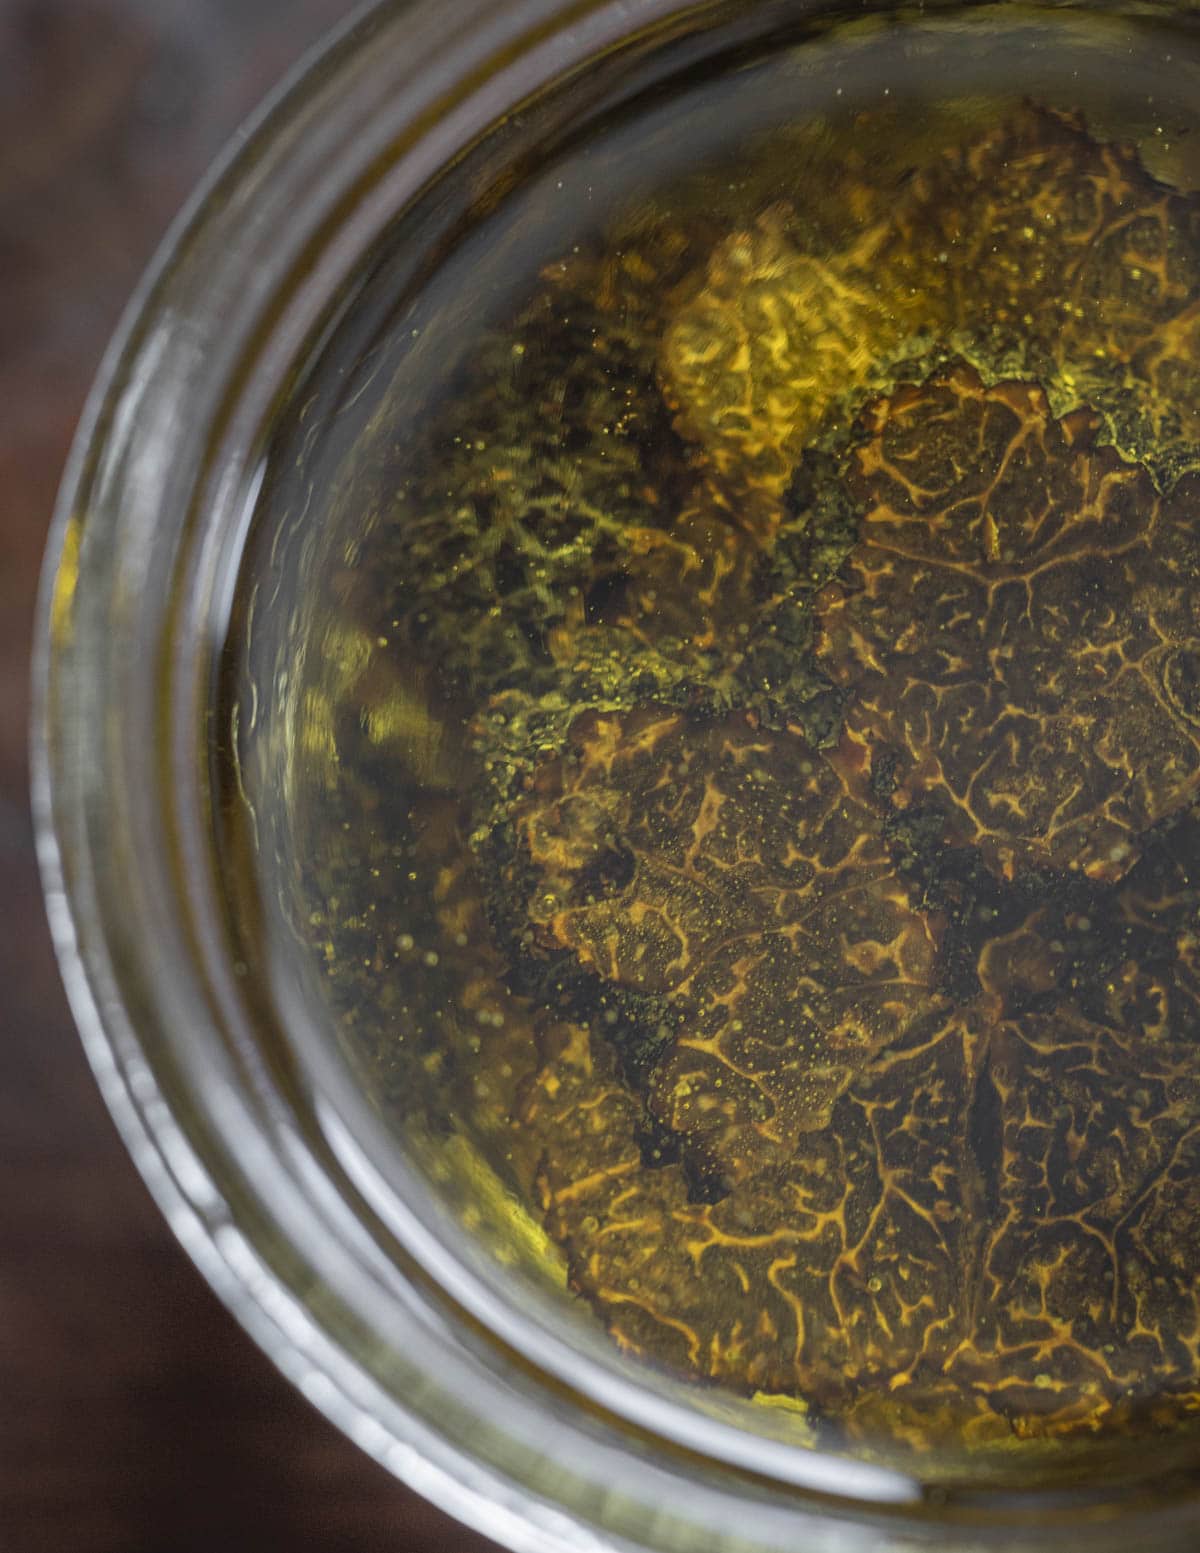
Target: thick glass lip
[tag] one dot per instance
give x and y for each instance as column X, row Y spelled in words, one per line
column 485, row 1408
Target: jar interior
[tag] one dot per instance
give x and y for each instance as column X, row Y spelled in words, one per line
column 565, row 780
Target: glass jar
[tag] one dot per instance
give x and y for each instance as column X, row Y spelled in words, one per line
column 350, row 1259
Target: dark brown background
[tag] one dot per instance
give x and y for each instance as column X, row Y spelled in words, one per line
column 134, row 1415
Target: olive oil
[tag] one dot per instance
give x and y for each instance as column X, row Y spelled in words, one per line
column 713, row 721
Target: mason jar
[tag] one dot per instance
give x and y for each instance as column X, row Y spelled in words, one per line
column 374, row 1253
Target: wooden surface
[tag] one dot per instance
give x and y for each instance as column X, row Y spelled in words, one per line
column 134, row 1415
